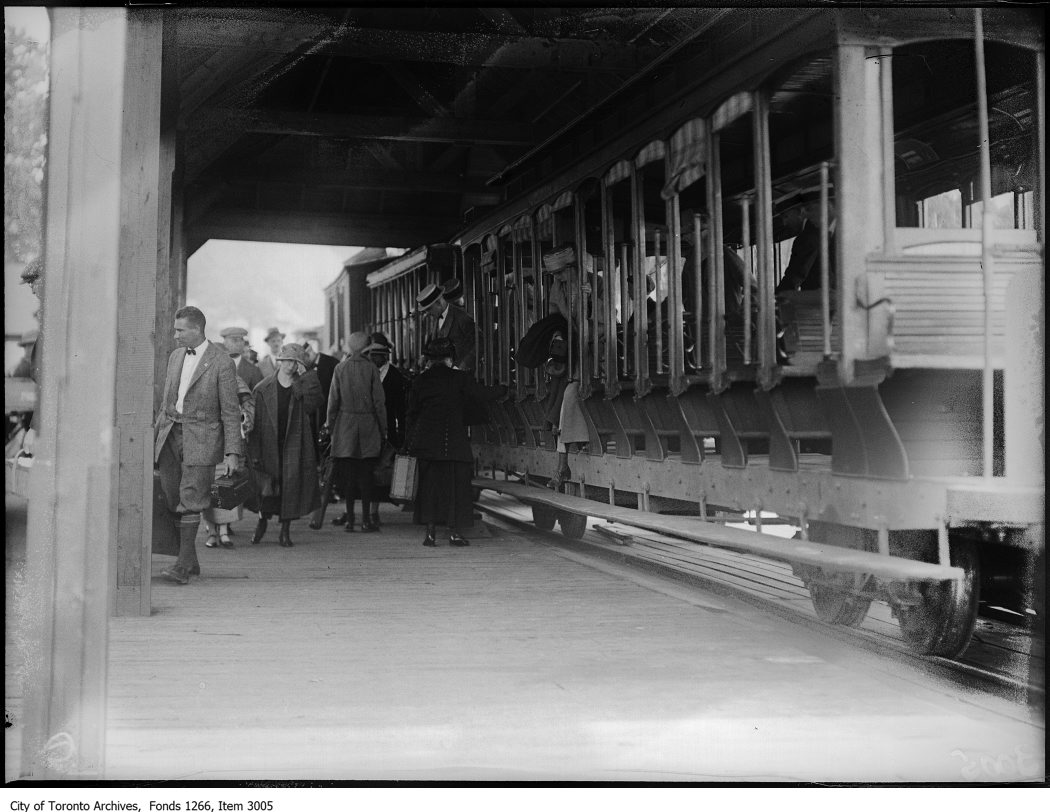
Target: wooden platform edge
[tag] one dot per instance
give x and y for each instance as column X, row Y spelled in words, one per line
column 827, row 557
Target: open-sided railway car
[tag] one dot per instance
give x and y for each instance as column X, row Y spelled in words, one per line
column 893, row 404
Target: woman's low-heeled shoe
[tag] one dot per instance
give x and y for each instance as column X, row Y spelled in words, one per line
column 456, row 540
column 368, row 526
column 430, row 541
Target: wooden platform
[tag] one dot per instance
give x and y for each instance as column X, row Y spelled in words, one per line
column 369, row 656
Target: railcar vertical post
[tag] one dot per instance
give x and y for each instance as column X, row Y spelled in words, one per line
column 825, row 280
column 698, row 295
column 745, row 219
column 987, row 262
column 767, row 356
column 583, row 327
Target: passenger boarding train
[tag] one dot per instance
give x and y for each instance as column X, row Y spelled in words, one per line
column 890, row 403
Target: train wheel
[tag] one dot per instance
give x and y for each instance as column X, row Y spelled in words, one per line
column 838, row 606
column 544, row 517
column 573, row 525
column 941, row 620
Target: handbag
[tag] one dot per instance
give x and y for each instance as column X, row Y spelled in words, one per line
column 405, row 478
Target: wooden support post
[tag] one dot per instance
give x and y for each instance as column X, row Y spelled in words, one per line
column 144, row 252
column 72, row 495
column 858, row 184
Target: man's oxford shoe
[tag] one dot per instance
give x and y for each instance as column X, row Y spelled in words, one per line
column 176, row 576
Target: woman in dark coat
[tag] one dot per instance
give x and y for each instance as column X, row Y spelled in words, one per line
column 441, row 403
column 357, row 423
column 281, row 443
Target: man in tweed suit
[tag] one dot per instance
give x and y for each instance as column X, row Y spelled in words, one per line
column 198, row 427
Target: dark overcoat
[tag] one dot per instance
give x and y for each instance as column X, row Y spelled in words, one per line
column 356, row 409
column 296, row 463
column 440, row 402
column 395, row 390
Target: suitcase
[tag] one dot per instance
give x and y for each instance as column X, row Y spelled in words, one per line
column 405, row 478
column 165, row 533
column 227, row 492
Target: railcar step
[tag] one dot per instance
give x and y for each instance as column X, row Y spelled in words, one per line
column 825, row 556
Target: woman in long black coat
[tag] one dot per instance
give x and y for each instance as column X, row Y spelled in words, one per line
column 281, row 443
column 441, row 403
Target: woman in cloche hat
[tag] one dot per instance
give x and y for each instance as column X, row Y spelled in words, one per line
column 281, row 444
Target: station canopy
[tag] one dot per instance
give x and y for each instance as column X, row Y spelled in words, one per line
column 385, row 126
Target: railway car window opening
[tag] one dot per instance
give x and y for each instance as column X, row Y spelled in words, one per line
column 657, row 233
column 503, row 314
column 522, row 297
column 590, row 248
column 486, row 277
column 736, row 179
column 685, row 190
column 801, row 138
column 935, row 141
column 617, row 214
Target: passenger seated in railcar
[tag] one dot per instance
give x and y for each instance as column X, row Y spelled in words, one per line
column 735, row 277
column 800, row 216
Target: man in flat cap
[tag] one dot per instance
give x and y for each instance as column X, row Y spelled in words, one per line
column 199, row 427
column 451, row 322
column 235, row 340
column 274, row 340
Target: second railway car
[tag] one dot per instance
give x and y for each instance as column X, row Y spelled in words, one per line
column 890, row 401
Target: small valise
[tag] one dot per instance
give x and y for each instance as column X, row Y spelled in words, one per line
column 403, row 481
column 229, row 491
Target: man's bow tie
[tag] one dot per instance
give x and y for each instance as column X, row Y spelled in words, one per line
column 191, row 352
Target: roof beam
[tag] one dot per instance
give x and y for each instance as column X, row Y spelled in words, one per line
column 381, row 128
column 390, row 180
column 457, row 48
column 311, row 228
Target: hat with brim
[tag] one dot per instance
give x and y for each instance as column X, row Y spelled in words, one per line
column 273, row 331
column 234, row 332
column 377, row 348
column 559, row 259
column 451, row 290
column 292, row 352
column 430, row 294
